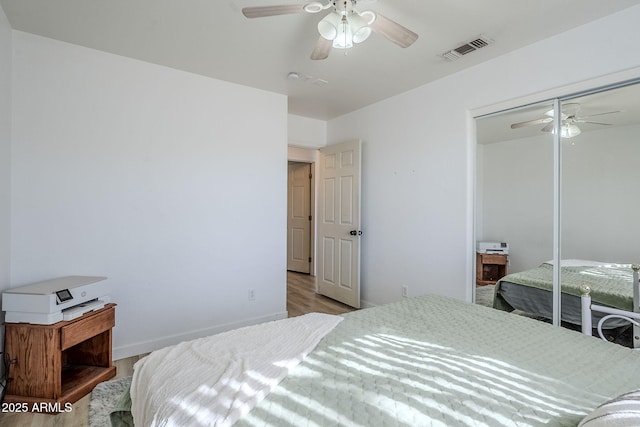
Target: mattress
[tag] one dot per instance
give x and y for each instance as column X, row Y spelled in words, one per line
column 435, row 361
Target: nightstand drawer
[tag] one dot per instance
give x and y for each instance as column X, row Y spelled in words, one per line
column 494, row 259
column 87, row 326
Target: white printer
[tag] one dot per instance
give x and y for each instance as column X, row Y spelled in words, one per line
column 51, row 301
column 492, row 248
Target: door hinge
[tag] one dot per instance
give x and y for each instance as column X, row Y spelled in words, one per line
column 310, row 217
column 310, row 176
column 309, row 259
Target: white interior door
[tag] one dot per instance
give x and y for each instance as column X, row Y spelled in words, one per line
column 338, row 238
column 299, row 217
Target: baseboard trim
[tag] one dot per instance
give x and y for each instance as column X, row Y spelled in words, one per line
column 144, row 347
column 367, row 304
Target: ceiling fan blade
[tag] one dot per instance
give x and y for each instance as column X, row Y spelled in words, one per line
column 262, row 11
column 393, row 31
column 322, row 49
column 532, row 122
column 547, row 128
column 599, row 114
column 594, row 123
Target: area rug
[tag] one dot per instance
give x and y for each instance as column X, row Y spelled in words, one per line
column 104, row 398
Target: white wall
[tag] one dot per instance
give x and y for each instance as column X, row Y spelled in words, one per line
column 5, row 147
column 418, row 155
column 152, row 177
column 306, row 132
column 5, row 159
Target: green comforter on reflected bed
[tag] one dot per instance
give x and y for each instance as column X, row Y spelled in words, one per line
column 610, row 285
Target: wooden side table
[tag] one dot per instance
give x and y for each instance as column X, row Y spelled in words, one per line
column 490, row 268
column 59, row 363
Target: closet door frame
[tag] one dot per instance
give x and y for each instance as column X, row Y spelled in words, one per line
column 615, row 81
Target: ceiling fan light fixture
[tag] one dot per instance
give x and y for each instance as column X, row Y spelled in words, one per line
column 344, row 39
column 359, row 27
column 569, row 131
column 328, row 26
column 314, row 7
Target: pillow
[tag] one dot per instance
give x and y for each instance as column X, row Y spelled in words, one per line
column 623, row 411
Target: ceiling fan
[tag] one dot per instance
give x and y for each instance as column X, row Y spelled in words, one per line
column 343, row 26
column 568, row 121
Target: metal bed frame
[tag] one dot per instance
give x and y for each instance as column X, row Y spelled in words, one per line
column 630, row 316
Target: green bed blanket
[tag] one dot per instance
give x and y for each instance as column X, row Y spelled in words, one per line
column 610, row 285
column 120, row 415
column 435, row 361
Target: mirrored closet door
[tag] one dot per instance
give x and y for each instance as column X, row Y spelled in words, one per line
column 600, row 173
column 569, row 197
column 514, row 199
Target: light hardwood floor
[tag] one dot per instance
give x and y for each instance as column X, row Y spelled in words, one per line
column 301, row 299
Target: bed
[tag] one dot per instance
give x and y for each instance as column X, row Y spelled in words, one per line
column 531, row 290
column 424, row 361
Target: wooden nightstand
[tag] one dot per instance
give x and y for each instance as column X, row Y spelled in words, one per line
column 60, row 363
column 490, row 268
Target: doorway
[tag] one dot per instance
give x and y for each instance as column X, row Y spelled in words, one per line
column 300, row 217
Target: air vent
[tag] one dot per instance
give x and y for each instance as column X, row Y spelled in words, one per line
column 479, row 42
column 466, row 48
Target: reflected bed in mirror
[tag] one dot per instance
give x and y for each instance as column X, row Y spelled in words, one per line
column 530, row 291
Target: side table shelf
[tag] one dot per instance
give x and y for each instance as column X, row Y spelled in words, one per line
column 59, row 363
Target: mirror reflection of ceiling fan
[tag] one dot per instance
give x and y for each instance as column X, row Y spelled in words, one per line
column 343, row 26
column 568, row 123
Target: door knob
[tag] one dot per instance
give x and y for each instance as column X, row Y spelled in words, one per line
column 356, row 232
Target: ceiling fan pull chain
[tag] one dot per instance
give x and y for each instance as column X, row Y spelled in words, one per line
column 345, row 28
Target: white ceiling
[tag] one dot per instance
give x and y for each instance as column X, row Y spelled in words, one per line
column 213, row 38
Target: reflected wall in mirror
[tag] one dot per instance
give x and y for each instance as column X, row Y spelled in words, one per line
column 601, row 177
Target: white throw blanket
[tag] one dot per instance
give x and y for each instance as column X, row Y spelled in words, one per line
column 216, row 380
